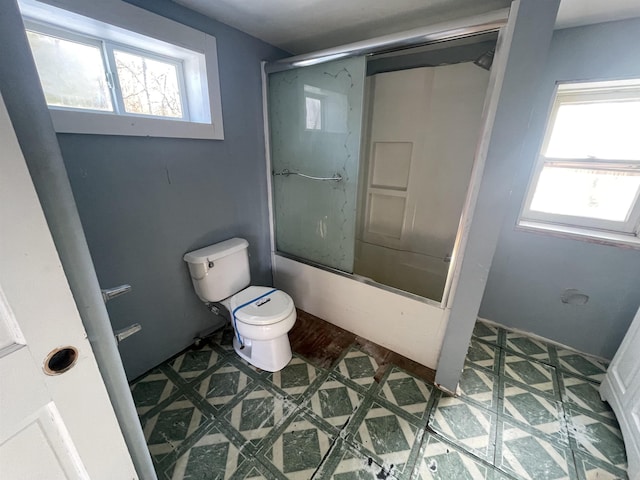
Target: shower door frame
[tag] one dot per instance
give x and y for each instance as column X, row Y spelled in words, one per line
column 469, row 27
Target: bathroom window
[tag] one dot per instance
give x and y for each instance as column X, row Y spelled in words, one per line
column 587, row 179
column 313, row 117
column 112, row 77
column 78, row 72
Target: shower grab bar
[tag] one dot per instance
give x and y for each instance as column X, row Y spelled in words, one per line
column 286, row 172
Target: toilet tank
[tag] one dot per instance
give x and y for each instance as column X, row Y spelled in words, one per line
column 220, row 270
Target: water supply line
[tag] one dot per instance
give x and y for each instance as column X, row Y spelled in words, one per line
column 286, row 172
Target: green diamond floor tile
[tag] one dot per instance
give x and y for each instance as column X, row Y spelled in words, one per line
column 298, row 450
column 440, row 461
column 479, row 386
column 335, row 402
column 256, row 414
column 584, row 394
column 534, row 410
column 526, row 410
column 471, row 427
column 151, row 390
column 390, row 437
column 527, row 346
column 358, row 367
column 344, row 462
column 536, row 375
column 254, row 474
column 409, row 393
column 598, row 439
column 295, row 378
column 591, row 469
column 192, row 363
column 252, row 469
column 223, row 385
column 166, row 430
column 581, row 365
column 483, row 355
column 223, row 338
column 486, row 332
column 213, row 456
column 527, row 456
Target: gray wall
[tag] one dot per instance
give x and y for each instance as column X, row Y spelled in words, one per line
column 144, row 202
column 530, row 271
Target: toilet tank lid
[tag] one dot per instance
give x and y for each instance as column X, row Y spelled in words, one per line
column 216, row 251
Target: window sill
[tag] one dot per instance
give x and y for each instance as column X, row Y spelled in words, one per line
column 109, row 124
column 583, row 234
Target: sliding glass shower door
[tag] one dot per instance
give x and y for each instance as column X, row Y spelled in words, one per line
column 315, row 116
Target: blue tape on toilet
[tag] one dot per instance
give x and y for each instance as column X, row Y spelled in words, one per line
column 235, row 320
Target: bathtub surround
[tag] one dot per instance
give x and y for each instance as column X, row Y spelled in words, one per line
column 421, row 137
column 525, row 410
column 409, row 326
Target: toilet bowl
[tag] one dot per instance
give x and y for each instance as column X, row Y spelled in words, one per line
column 261, row 316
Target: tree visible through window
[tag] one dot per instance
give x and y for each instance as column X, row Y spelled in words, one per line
column 148, row 86
column 80, row 72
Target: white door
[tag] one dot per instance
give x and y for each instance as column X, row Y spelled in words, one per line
column 621, row 388
column 54, row 424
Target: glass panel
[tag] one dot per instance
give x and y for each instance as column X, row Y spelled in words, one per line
column 605, row 130
column 315, row 118
column 149, row 86
column 72, row 74
column 599, row 194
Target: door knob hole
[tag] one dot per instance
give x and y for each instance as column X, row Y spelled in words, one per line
column 60, row 360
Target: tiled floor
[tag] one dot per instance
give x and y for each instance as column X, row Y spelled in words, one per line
column 527, row 410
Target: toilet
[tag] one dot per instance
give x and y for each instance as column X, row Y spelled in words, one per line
column 261, row 316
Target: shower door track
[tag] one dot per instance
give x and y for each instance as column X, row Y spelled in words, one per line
column 439, row 32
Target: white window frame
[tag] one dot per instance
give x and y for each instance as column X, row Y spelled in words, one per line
column 177, row 63
column 132, row 28
column 616, row 232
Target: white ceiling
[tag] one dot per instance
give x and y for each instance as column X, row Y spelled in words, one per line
column 302, row 26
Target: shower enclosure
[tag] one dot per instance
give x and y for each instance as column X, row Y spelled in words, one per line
column 371, row 159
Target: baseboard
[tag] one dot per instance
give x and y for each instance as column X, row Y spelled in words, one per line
column 542, row 339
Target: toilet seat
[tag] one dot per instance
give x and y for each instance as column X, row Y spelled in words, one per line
column 265, row 310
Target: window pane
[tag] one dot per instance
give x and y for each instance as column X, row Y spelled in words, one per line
column 314, row 113
column 72, row 74
column 605, row 130
column 148, row 86
column 580, row 192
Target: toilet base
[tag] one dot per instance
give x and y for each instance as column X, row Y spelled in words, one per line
column 269, row 355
